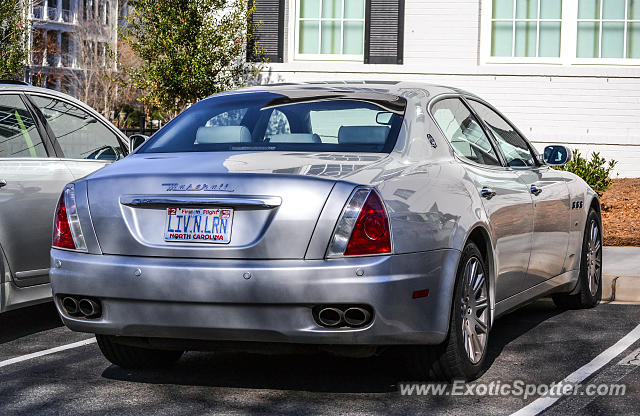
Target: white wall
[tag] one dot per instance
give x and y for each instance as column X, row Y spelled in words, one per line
column 590, row 107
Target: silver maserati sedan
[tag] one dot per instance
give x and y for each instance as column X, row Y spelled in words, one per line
column 343, row 217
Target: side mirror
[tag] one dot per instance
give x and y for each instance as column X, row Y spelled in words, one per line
column 136, row 141
column 557, row 155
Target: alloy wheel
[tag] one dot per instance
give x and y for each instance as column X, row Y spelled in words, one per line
column 594, row 257
column 475, row 310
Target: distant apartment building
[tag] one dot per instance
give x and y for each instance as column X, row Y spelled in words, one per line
column 68, row 36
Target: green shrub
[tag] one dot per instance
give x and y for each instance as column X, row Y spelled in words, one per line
column 595, row 171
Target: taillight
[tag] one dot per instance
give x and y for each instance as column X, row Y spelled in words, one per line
column 363, row 228
column 67, row 232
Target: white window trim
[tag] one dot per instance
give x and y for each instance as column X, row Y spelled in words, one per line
column 625, row 21
column 568, row 42
column 294, row 33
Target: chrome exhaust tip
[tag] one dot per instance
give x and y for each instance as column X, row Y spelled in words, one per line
column 330, row 317
column 70, row 305
column 356, row 317
column 89, row 308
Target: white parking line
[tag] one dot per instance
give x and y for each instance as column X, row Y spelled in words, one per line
column 541, row 404
column 46, row 352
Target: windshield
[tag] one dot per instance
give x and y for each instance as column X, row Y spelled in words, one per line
column 268, row 121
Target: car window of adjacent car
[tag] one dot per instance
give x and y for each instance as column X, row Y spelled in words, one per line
column 515, row 149
column 80, row 135
column 463, row 131
column 19, row 136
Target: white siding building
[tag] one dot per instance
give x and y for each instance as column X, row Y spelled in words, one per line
column 565, row 71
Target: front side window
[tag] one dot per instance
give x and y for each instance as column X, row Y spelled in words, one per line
column 526, row 28
column 515, row 149
column 19, row 136
column 608, row 29
column 266, row 121
column 80, row 135
column 331, row 27
column 464, row 132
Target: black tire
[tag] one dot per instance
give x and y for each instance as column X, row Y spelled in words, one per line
column 588, row 295
column 130, row 357
column 450, row 360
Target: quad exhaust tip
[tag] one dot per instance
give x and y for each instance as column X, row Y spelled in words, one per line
column 70, row 305
column 78, row 307
column 342, row 316
column 356, row 317
column 330, row 317
column 89, row 308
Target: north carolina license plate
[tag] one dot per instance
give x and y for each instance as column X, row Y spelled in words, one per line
column 198, row 225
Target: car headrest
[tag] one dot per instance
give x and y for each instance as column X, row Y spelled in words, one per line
column 295, row 138
column 363, row 134
column 223, row 134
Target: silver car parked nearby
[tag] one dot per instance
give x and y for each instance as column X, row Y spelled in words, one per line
column 47, row 139
column 345, row 217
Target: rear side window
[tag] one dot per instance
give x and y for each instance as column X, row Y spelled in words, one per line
column 80, row 135
column 514, row 148
column 18, row 134
column 463, row 131
column 268, row 121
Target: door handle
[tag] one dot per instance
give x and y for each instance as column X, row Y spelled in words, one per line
column 535, row 190
column 487, row 193
column 3, row 182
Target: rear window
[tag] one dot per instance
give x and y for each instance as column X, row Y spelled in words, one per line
column 268, row 121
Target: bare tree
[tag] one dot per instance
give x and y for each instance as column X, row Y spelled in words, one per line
column 128, row 92
column 81, row 62
column 94, row 72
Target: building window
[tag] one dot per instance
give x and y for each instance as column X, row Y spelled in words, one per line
column 331, row 27
column 526, row 28
column 608, row 29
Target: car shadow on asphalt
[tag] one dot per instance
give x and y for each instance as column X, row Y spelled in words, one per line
column 317, row 372
column 27, row 321
column 509, row 327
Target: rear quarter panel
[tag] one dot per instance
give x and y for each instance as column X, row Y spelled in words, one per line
column 431, row 200
column 430, row 206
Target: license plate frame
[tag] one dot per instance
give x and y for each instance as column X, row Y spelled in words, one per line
column 198, row 225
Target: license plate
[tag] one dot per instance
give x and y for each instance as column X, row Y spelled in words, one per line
column 199, row 225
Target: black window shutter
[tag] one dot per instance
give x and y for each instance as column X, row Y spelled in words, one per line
column 384, row 32
column 268, row 30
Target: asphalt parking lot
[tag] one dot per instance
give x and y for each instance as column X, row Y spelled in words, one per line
column 537, row 344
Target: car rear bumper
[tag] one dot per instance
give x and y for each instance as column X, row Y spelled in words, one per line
column 259, row 300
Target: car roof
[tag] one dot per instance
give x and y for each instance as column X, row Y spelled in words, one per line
column 417, row 90
column 15, row 86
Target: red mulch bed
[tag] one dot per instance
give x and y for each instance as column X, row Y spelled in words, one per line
column 621, row 213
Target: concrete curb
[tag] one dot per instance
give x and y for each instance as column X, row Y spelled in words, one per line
column 621, row 274
column 621, row 289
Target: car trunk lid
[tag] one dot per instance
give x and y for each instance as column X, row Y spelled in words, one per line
column 269, row 215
